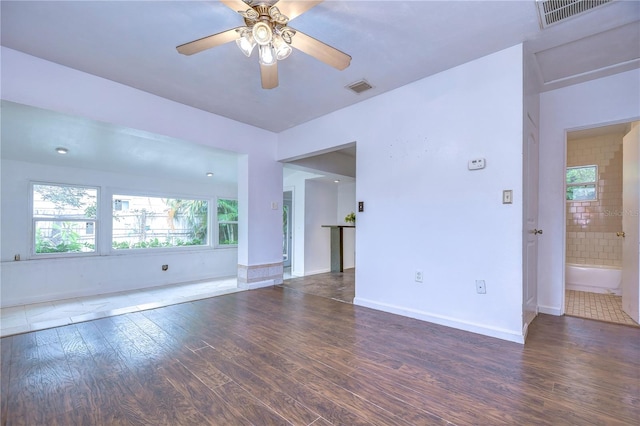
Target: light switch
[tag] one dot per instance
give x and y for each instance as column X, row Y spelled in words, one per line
column 507, row 196
column 274, row 205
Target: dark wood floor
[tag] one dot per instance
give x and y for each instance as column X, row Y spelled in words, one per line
column 276, row 357
column 340, row 286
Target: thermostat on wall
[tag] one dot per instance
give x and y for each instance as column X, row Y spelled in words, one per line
column 476, row 164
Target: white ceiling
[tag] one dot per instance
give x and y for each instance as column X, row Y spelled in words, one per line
column 102, row 146
column 392, row 43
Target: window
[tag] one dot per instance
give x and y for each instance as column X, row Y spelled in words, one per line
column 581, row 183
column 227, row 222
column 64, row 218
column 151, row 222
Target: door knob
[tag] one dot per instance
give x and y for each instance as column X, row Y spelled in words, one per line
column 620, row 234
column 537, row 231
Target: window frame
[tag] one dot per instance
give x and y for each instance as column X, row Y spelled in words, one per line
column 217, row 230
column 584, row 184
column 103, row 222
column 122, row 193
column 35, row 220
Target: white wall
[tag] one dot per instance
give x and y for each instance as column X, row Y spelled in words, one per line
column 321, row 203
column 36, row 82
column 35, row 279
column 346, row 205
column 595, row 103
column 423, row 208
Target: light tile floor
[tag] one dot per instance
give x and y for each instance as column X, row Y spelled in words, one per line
column 39, row 316
column 603, row 307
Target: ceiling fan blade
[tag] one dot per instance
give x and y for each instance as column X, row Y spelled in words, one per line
column 321, row 51
column 208, row 42
column 269, row 75
column 236, row 5
column 293, row 8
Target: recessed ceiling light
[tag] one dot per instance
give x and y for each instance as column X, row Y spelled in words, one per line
column 336, row 181
column 61, row 150
column 209, row 174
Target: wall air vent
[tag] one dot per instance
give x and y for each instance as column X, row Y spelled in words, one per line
column 553, row 11
column 360, row 86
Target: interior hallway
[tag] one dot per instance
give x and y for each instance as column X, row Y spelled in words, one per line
column 340, row 286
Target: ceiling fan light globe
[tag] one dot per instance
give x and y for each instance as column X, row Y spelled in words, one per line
column 262, row 33
column 283, row 50
column 267, row 55
column 246, row 44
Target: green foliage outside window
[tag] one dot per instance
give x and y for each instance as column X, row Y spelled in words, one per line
column 64, row 218
column 581, row 183
column 66, row 241
column 227, row 222
column 141, row 222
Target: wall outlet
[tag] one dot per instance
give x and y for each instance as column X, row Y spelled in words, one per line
column 418, row 276
column 481, row 287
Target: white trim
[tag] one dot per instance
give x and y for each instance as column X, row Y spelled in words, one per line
column 525, row 331
column 550, row 310
column 500, row 333
column 32, row 231
column 316, row 272
column 215, row 233
column 143, row 195
column 591, row 183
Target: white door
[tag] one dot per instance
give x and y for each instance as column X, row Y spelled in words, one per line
column 630, row 209
column 531, row 233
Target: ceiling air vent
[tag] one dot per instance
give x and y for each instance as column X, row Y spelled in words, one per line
column 360, row 86
column 554, row 11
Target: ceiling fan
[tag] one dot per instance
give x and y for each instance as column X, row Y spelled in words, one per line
column 266, row 27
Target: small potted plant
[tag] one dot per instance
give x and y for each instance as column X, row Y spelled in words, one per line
column 350, row 218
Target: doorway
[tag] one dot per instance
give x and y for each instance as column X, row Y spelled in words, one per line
column 600, row 270
column 287, row 232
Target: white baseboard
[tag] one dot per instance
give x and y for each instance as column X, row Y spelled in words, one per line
column 550, row 310
column 512, row 336
column 316, row 272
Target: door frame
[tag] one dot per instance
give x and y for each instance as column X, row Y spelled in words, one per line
column 291, row 224
column 564, row 191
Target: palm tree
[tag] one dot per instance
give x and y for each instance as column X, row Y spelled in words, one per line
column 194, row 213
column 227, row 221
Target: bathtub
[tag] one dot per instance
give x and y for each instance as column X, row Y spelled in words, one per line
column 593, row 278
